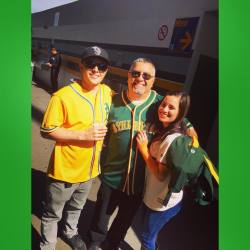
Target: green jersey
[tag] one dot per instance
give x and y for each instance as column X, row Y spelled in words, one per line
column 123, row 166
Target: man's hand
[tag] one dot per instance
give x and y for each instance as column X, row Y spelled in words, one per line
column 95, row 133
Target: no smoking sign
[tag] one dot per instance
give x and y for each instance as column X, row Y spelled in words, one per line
column 162, row 33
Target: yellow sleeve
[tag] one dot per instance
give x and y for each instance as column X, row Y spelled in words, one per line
column 54, row 116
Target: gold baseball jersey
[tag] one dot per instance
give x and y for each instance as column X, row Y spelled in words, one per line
column 73, row 108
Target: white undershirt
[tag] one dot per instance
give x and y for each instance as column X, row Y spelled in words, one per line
column 156, row 191
column 138, row 102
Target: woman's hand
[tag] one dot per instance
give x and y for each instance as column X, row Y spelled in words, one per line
column 157, row 169
column 142, row 144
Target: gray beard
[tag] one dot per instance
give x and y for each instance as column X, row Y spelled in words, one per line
column 138, row 91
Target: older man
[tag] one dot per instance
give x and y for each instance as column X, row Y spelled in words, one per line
column 123, row 168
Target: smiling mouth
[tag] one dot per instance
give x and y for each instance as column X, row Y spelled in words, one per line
column 139, row 84
column 163, row 115
column 94, row 76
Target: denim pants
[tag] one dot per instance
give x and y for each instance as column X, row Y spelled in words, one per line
column 60, row 194
column 153, row 222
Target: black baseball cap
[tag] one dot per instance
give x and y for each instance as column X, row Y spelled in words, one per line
column 95, row 51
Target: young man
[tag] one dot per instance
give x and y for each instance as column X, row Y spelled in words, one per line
column 54, row 64
column 123, row 170
column 75, row 118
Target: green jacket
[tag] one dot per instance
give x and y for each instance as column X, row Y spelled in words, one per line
column 190, row 165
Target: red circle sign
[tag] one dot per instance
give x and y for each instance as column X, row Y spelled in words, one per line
column 162, row 33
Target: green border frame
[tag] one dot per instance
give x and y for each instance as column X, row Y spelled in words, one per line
column 15, row 125
column 234, row 86
column 15, row 149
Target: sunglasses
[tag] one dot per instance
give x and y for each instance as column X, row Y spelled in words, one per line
column 91, row 64
column 145, row 76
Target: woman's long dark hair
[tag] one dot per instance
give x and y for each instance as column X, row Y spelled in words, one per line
column 178, row 126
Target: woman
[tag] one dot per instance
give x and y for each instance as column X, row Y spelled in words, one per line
column 171, row 113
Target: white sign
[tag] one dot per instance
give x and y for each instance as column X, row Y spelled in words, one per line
column 56, row 18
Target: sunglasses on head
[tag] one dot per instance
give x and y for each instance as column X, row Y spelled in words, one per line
column 91, row 64
column 145, row 76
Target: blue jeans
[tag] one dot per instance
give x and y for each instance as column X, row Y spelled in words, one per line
column 153, row 222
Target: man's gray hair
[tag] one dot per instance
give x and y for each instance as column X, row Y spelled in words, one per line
column 143, row 60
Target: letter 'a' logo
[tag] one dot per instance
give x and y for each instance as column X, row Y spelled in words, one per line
column 96, row 50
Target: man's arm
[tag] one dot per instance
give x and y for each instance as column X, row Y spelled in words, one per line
column 55, row 61
column 53, row 126
column 94, row 133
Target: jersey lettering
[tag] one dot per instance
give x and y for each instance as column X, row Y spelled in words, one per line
column 126, row 125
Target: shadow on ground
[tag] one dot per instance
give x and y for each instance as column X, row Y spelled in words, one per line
column 35, row 239
column 194, row 228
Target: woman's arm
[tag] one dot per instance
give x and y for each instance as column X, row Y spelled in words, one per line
column 158, row 169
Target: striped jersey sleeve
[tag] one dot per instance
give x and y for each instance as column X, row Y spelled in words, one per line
column 54, row 115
